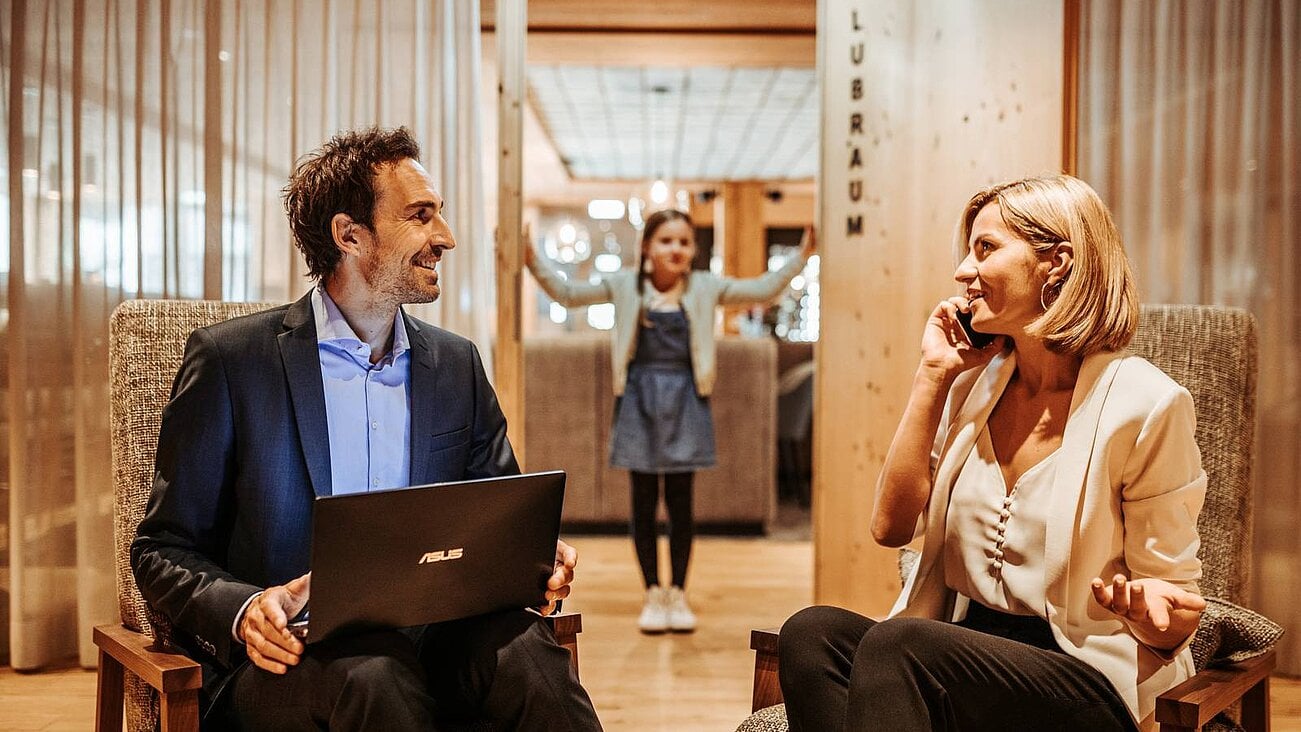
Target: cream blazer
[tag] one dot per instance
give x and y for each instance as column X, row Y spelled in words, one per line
column 1128, row 488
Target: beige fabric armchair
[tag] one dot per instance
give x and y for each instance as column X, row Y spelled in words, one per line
column 159, row 686
column 1211, row 351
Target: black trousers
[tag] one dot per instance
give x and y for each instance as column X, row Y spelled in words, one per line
column 682, row 531
column 505, row 668
column 842, row 671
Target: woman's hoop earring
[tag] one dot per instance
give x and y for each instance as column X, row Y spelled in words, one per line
column 647, row 266
column 1055, row 289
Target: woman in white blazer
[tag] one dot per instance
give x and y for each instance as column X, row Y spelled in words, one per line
column 662, row 359
column 1054, row 484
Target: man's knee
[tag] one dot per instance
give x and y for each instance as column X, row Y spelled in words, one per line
column 372, row 675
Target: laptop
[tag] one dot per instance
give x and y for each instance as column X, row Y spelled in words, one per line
column 411, row 556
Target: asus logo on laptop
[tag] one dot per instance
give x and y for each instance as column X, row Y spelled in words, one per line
column 442, row 556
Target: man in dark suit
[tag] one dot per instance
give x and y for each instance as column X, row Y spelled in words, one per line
column 339, row 392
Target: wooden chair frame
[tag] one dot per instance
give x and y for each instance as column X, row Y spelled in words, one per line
column 1184, row 708
column 177, row 678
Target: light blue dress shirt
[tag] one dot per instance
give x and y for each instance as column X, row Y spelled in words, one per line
column 366, row 405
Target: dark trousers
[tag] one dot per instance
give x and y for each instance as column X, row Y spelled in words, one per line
column 682, row 531
column 505, row 668
column 842, row 671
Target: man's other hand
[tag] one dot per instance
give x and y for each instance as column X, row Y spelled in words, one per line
column 265, row 625
column 558, row 584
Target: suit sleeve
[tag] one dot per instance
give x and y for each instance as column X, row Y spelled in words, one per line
column 490, row 451
column 1164, row 487
column 180, row 546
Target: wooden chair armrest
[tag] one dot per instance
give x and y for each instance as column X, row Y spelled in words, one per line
column 1194, row 702
column 767, row 688
column 164, row 670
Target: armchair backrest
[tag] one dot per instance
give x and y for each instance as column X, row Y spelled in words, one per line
column 1211, row 352
column 146, row 344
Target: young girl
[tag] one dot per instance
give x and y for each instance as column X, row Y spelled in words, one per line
column 663, row 362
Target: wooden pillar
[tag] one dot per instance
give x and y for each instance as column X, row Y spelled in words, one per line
column 508, row 360
column 922, row 105
column 739, row 232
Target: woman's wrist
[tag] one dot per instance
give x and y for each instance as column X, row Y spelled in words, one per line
column 933, row 378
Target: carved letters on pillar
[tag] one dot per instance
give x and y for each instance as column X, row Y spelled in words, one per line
column 854, row 218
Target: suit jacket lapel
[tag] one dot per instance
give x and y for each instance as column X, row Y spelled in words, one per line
column 424, row 387
column 1072, row 469
column 302, row 363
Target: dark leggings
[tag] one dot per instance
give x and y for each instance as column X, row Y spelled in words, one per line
column 842, row 671
column 677, row 498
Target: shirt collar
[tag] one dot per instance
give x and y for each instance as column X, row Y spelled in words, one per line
column 332, row 328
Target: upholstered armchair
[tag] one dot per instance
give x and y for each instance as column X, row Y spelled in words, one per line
column 1211, row 351
column 158, row 685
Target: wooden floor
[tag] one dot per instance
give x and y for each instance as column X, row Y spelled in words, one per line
column 677, row 682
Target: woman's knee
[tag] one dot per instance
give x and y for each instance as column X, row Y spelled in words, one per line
column 897, row 639
column 807, row 635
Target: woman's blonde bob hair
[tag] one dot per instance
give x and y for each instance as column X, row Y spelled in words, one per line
column 1097, row 309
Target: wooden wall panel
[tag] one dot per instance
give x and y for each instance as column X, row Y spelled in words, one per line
column 923, row 103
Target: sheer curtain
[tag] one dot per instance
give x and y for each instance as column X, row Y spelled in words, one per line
column 1190, row 128
column 146, row 143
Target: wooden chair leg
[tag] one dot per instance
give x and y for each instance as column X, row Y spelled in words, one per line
column 109, row 695
column 180, row 711
column 767, row 687
column 1255, row 707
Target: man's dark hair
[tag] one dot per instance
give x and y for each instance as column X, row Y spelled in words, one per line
column 339, row 177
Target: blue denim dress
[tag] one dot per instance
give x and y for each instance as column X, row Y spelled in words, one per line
column 661, row 425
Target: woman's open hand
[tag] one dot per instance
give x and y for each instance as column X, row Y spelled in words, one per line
column 1158, row 613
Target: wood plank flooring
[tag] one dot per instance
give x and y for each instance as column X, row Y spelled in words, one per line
column 672, row 682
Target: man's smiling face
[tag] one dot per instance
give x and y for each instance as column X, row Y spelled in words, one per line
column 409, row 237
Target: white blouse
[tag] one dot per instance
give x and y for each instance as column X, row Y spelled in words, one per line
column 994, row 538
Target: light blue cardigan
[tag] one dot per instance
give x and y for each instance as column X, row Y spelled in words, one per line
column 704, row 292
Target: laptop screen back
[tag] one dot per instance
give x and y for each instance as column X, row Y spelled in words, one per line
column 429, row 554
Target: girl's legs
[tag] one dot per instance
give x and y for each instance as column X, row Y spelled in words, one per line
column 677, row 498
column 645, row 496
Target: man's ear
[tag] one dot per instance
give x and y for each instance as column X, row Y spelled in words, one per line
column 1063, row 259
column 347, row 234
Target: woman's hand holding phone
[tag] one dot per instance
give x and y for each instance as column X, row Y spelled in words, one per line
column 946, row 347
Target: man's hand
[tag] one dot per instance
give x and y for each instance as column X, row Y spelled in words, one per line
column 558, row 584
column 1158, row 613
column 265, row 625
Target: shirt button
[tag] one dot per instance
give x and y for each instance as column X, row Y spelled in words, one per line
column 998, row 564
column 375, row 482
column 374, row 425
column 998, row 554
column 1005, row 514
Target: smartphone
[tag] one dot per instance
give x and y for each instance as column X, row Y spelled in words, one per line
column 976, row 338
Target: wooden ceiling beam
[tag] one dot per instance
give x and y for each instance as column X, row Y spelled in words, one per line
column 674, row 49
column 717, row 16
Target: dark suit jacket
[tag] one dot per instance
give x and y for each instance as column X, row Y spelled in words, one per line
column 244, row 450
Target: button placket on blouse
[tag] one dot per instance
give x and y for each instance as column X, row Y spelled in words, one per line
column 1003, row 516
